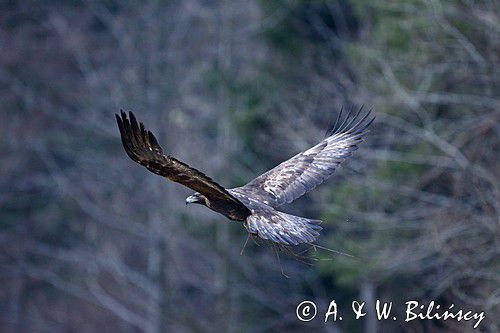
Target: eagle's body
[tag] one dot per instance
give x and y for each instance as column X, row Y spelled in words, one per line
column 255, row 203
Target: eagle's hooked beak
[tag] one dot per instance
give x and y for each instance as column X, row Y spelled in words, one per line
column 192, row 199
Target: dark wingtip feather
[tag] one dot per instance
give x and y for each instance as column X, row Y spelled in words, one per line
column 152, row 139
column 332, row 128
column 340, row 128
column 132, row 118
column 367, row 124
column 120, row 124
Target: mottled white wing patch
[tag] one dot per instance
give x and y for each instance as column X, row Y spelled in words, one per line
column 282, row 228
column 303, row 172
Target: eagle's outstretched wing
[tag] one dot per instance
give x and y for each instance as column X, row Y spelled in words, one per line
column 143, row 148
column 303, row 172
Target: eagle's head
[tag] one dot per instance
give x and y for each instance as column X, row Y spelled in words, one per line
column 196, row 198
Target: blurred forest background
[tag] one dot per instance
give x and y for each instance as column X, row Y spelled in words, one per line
column 91, row 242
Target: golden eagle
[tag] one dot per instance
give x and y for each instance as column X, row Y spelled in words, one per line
column 255, row 203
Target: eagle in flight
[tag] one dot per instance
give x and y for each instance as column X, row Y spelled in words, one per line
column 256, row 203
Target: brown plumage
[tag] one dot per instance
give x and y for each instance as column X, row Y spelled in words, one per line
column 256, row 202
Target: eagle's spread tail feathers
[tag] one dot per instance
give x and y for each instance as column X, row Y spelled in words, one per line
column 283, row 228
